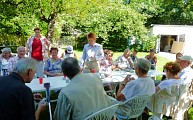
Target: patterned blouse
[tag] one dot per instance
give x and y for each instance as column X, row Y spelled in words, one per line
column 53, row 66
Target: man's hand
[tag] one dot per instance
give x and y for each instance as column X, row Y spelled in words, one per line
column 127, row 79
column 41, row 107
column 128, row 58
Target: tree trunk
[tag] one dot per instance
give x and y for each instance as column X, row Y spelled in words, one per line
column 51, row 26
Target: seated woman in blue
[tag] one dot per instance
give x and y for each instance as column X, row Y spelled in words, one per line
column 52, row 66
column 172, row 69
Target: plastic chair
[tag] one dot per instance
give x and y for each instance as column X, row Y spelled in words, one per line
column 104, row 114
column 133, row 107
column 185, row 102
column 165, row 101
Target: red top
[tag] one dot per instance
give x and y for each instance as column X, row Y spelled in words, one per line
column 37, row 49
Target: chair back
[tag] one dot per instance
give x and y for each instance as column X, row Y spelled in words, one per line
column 104, row 114
column 133, row 107
column 165, row 100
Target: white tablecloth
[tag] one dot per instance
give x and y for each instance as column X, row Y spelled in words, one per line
column 60, row 82
column 55, row 83
column 118, row 76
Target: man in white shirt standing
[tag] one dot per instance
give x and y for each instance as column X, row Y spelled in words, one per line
column 186, row 73
column 92, row 54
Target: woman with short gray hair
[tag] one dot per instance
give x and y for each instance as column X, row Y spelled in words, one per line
column 4, row 58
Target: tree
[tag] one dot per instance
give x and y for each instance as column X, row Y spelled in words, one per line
column 41, row 13
column 113, row 24
column 175, row 12
column 48, row 11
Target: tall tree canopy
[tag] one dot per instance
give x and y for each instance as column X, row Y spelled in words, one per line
column 113, row 20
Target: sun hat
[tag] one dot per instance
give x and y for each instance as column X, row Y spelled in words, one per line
column 186, row 58
column 6, row 50
column 69, row 49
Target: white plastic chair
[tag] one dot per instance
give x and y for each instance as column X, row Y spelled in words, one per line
column 165, row 101
column 104, row 114
column 133, row 107
column 185, row 102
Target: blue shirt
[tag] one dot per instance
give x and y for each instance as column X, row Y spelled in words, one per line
column 95, row 51
column 186, row 74
column 53, row 66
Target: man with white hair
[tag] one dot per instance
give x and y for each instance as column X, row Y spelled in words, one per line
column 131, row 87
column 186, row 73
column 142, row 85
column 16, row 101
column 12, row 61
column 124, row 61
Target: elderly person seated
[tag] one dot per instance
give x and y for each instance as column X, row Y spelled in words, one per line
column 105, row 51
column 53, row 65
column 124, row 61
column 69, row 52
column 177, row 61
column 12, row 61
column 131, row 87
column 4, row 58
column 83, row 96
column 172, row 69
column 152, row 59
column 107, row 62
column 133, row 55
column 186, row 74
column 177, row 57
